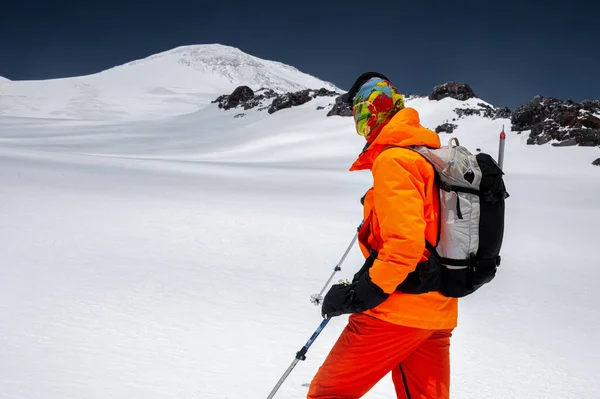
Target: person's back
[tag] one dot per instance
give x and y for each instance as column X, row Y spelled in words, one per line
column 389, row 330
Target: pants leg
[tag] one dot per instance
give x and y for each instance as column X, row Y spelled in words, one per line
column 425, row 373
column 365, row 352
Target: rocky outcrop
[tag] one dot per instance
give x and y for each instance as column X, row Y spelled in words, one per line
column 322, row 92
column 239, row 96
column 596, row 162
column 290, row 100
column 484, row 110
column 221, row 100
column 244, row 97
column 591, row 105
column 503, row 112
column 340, row 108
column 458, row 91
column 565, row 121
column 261, row 95
column 446, row 128
column 561, row 122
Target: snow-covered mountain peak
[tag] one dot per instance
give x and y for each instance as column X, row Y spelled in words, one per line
column 174, row 82
column 236, row 67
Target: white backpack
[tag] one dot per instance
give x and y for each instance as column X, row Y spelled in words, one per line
column 467, row 252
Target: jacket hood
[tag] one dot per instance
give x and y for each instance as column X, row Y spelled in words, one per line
column 403, row 130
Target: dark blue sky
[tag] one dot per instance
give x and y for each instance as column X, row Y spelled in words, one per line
column 508, row 51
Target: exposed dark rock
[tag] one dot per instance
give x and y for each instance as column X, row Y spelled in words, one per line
column 239, row 115
column 590, row 121
column 538, row 140
column 537, row 129
column 487, row 111
column 455, row 90
column 240, row 95
column 587, row 137
column 463, row 112
column 484, row 110
column 525, row 116
column 266, row 93
column 446, row 128
column 320, row 107
column 289, row 100
column 596, row 162
column 561, row 120
column 268, row 99
column 323, row 92
column 503, row 112
column 221, row 100
column 259, row 96
column 591, row 105
column 340, row 108
column 409, row 97
column 567, row 143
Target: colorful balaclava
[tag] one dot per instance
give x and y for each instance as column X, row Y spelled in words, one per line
column 374, row 104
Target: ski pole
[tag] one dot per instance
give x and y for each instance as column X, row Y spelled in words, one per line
column 300, row 355
column 501, row 148
column 317, row 299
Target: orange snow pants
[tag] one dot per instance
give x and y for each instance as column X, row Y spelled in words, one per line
column 369, row 348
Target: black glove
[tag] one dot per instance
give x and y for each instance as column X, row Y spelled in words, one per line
column 357, row 297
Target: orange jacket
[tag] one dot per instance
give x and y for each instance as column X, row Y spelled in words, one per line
column 400, row 211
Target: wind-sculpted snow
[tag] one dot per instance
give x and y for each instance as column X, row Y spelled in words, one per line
column 175, row 257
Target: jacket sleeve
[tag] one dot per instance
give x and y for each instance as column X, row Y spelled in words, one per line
column 398, row 191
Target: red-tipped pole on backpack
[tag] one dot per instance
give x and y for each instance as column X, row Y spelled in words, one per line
column 501, row 148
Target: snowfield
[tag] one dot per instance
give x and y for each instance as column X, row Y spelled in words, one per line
column 174, row 255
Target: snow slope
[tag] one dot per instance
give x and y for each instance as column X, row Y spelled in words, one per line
column 175, row 258
column 174, row 82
